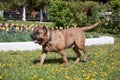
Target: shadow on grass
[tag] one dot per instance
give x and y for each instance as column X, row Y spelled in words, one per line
column 57, row 60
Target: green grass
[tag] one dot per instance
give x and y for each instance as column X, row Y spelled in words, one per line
column 103, row 64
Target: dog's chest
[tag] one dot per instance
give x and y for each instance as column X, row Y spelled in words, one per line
column 50, row 47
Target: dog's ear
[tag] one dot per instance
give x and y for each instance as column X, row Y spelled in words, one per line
column 35, row 29
column 45, row 29
column 49, row 28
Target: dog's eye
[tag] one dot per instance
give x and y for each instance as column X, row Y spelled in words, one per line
column 37, row 33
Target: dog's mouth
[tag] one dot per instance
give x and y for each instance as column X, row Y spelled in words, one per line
column 38, row 41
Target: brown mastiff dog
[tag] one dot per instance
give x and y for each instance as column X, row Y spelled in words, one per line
column 58, row 41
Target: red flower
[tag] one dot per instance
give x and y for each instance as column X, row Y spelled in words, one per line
column 20, row 33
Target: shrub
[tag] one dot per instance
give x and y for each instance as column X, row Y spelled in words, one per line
column 59, row 13
column 74, row 13
column 115, row 5
column 2, row 18
column 111, row 25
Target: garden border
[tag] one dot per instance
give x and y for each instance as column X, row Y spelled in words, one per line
column 20, row 46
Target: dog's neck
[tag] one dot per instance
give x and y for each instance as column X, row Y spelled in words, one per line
column 50, row 36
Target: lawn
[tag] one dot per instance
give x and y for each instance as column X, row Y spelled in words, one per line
column 103, row 64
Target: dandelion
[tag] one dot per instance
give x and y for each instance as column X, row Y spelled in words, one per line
column 94, row 74
column 103, row 63
column 48, row 77
column 101, row 69
column 40, row 79
column 92, row 79
column 96, row 54
column 34, row 76
column 1, row 77
column 76, row 79
column 2, row 65
column 87, row 78
column 93, row 62
column 67, row 77
column 83, row 71
column 84, row 75
column 105, row 74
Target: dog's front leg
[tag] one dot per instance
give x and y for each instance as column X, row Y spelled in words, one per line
column 43, row 58
column 62, row 53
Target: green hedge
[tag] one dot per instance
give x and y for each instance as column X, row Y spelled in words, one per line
column 78, row 13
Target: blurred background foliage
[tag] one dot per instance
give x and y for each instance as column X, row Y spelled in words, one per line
column 70, row 13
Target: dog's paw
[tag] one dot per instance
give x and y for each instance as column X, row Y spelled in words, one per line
column 83, row 61
column 39, row 64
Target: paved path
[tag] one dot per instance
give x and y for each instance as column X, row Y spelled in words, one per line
column 14, row 46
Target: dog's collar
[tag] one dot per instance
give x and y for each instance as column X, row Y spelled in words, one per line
column 50, row 38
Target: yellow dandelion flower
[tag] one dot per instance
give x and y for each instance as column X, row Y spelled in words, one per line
column 62, row 65
column 84, row 75
column 92, row 79
column 94, row 74
column 2, row 66
column 101, row 69
column 113, row 63
column 34, row 76
column 112, row 67
column 76, row 79
column 40, row 79
column 105, row 74
column 0, row 77
column 52, row 69
column 83, row 71
column 67, row 77
column 93, row 62
column 87, row 78
column 96, row 54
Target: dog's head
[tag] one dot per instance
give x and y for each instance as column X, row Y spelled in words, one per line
column 41, row 35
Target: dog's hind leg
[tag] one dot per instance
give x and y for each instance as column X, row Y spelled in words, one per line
column 81, row 46
column 76, row 49
column 85, row 52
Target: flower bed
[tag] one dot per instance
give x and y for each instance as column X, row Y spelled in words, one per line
column 15, row 32
column 20, row 33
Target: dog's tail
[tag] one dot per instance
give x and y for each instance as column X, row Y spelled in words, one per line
column 89, row 27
